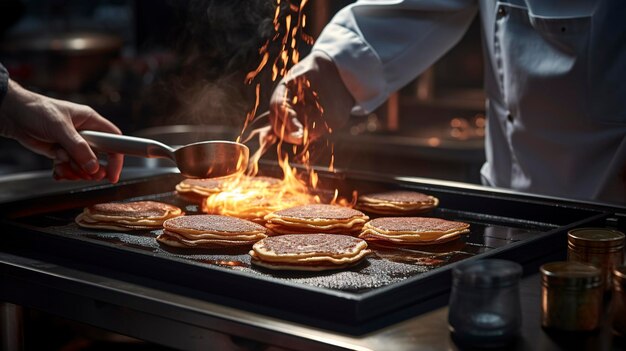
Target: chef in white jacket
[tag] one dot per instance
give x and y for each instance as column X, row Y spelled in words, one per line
column 555, row 77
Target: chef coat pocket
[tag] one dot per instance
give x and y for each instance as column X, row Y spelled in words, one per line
column 603, row 94
column 542, row 63
column 569, row 36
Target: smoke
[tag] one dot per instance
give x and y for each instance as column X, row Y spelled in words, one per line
column 217, row 48
column 232, row 32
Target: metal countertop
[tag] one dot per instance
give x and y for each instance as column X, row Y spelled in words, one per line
column 167, row 315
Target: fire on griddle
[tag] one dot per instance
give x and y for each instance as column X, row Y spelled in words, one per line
column 245, row 195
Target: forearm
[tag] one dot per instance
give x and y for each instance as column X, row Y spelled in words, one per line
column 6, row 104
column 50, row 127
column 4, row 83
column 380, row 46
column 15, row 97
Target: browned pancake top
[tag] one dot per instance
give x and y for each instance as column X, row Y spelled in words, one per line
column 216, row 183
column 323, row 244
column 319, row 211
column 416, row 224
column 207, row 183
column 268, row 180
column 400, row 196
column 133, row 209
column 213, row 223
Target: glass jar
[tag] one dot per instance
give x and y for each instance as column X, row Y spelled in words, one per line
column 619, row 301
column 485, row 309
column 571, row 296
column 601, row 247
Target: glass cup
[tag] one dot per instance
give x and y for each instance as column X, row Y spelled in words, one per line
column 485, row 308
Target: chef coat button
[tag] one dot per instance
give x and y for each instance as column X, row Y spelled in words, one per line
column 501, row 11
column 510, row 117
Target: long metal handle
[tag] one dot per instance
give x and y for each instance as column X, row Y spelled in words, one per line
column 128, row 145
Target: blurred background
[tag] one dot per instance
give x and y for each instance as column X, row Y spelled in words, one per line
column 174, row 71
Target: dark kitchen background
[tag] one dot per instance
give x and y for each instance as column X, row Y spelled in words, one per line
column 174, row 71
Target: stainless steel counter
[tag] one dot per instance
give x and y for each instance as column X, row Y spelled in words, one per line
column 152, row 312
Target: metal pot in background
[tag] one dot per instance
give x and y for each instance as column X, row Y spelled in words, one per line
column 64, row 62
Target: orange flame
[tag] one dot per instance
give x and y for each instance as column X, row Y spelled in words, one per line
column 253, row 197
column 250, row 76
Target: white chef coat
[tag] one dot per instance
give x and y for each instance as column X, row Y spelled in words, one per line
column 555, row 77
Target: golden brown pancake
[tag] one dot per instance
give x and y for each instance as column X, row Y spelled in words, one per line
column 208, row 186
column 196, row 190
column 210, row 231
column 270, row 181
column 126, row 216
column 316, row 218
column 413, row 230
column 401, row 202
column 308, row 252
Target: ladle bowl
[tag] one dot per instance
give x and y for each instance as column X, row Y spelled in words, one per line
column 206, row 159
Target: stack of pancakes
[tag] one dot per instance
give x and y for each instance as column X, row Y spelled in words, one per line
column 197, row 189
column 309, row 252
column 413, row 230
column 400, row 202
column 210, row 231
column 127, row 215
column 209, row 186
column 316, row 218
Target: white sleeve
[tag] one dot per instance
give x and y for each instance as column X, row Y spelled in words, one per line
column 379, row 46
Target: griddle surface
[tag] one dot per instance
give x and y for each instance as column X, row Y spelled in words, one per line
column 388, row 265
column 391, row 285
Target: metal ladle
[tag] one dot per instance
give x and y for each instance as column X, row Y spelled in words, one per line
column 206, row 159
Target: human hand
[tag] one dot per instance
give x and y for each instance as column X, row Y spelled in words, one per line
column 50, row 127
column 323, row 102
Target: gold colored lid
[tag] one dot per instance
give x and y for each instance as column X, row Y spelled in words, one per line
column 595, row 237
column 571, row 274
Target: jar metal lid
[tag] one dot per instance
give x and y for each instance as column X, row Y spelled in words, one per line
column 571, row 274
column 595, row 237
column 487, row 273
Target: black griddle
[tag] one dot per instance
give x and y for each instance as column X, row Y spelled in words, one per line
column 392, row 284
